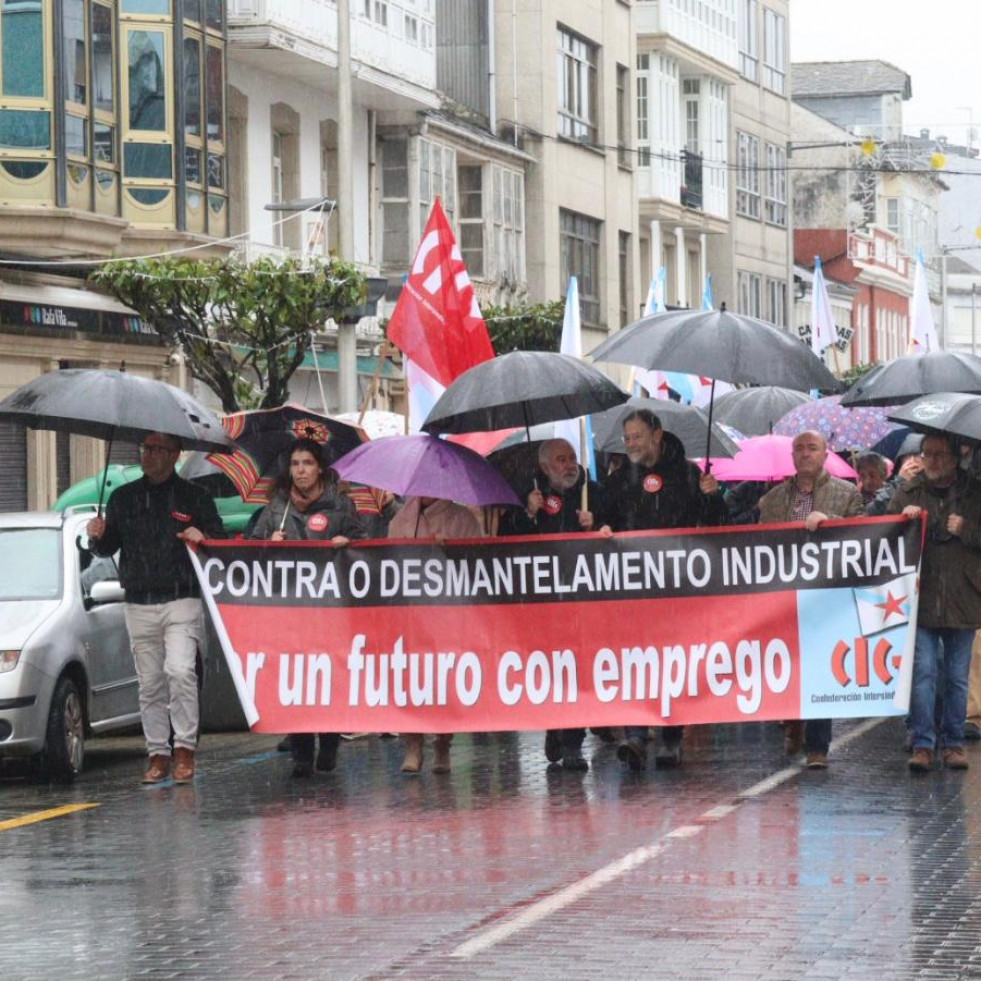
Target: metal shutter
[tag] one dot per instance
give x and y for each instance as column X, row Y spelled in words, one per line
column 13, row 467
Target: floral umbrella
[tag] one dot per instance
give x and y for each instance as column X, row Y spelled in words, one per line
column 844, row 429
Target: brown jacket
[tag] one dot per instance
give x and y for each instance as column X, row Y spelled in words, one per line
column 832, row 496
column 950, row 577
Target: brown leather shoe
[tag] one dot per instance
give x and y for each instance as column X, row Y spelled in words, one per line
column 955, row 758
column 183, row 765
column 921, row 761
column 158, row 770
column 817, row 761
column 793, row 737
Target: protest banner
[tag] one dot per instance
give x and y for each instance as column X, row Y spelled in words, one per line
column 680, row 627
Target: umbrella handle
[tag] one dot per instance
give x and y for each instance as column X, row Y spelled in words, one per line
column 708, row 438
column 105, row 472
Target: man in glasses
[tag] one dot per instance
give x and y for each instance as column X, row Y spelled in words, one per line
column 950, row 599
column 150, row 522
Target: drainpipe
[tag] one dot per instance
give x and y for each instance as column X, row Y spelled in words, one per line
column 491, row 67
column 347, row 379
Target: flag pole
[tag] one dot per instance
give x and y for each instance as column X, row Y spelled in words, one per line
column 583, row 456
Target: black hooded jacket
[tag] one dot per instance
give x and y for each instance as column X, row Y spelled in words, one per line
column 667, row 495
column 558, row 516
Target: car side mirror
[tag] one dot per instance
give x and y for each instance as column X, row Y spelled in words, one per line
column 107, row 591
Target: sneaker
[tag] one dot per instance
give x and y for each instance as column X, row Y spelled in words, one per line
column 817, row 761
column 553, row 745
column 158, row 770
column 955, row 758
column 183, row 765
column 633, row 752
column 793, row 737
column 575, row 762
column 922, row 760
column 972, row 731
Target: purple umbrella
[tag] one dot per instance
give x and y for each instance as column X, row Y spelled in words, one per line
column 844, row 429
column 426, row 466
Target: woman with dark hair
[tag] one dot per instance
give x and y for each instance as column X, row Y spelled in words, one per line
column 307, row 505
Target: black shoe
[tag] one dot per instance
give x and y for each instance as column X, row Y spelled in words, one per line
column 327, row 757
column 633, row 752
column 284, row 745
column 972, row 731
column 575, row 761
column 302, row 770
column 668, row 755
column 553, row 745
column 604, row 734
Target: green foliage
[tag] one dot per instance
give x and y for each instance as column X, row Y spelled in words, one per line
column 244, row 328
column 530, row 328
column 852, row 375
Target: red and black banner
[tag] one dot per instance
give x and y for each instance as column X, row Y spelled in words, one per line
column 679, row 627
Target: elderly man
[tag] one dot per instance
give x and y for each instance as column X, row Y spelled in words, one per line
column 150, row 522
column 658, row 488
column 812, row 495
column 950, row 599
column 554, row 506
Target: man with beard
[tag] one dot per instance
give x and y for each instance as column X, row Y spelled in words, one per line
column 659, row 489
column 555, row 506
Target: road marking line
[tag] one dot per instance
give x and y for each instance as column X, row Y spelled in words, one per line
column 55, row 812
column 617, row 869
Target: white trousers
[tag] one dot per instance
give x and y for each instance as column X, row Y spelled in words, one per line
column 165, row 639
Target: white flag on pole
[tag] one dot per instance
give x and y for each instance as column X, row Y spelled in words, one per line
column 578, row 433
column 923, row 332
column 823, row 330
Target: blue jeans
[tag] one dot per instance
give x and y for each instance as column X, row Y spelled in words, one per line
column 943, row 654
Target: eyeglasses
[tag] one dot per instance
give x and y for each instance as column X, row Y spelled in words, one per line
column 148, row 449
column 937, row 455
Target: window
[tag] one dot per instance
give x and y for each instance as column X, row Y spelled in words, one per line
column 509, row 225
column 147, row 81
column 749, row 39
column 774, row 51
column 892, row 215
column 437, row 179
column 278, row 183
column 377, row 10
column 748, row 175
column 22, row 51
column 578, row 104
column 579, row 241
column 624, row 274
column 776, row 292
column 75, row 73
column 749, row 289
column 690, row 88
column 102, row 59
column 157, row 7
column 412, row 28
column 471, row 220
column 395, row 202
column 643, row 111
column 192, row 87
column 776, row 185
column 623, row 116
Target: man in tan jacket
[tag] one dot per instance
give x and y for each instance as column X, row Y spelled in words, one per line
column 812, row 495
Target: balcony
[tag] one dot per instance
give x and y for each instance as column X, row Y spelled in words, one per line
column 393, row 53
column 691, row 189
column 708, row 28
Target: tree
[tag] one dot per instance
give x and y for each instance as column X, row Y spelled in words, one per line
column 531, row 328
column 244, row 328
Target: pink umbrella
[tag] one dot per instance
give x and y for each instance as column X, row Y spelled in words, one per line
column 769, row 458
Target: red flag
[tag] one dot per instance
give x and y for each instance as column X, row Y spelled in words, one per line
column 437, row 323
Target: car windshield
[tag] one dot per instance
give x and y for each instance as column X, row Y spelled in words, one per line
column 30, row 563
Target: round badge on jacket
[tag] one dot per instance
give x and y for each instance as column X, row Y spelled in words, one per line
column 317, row 522
column 653, row 483
column 553, row 504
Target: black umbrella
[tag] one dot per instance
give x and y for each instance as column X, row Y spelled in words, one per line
column 903, row 379
column 755, row 411
column 953, row 413
column 688, row 422
column 522, row 388
column 719, row 345
column 113, row 405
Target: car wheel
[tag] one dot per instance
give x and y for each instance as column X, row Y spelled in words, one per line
column 64, row 749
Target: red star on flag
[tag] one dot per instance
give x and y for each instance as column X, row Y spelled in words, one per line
column 891, row 606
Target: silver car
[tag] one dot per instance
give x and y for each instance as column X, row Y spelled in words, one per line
column 66, row 668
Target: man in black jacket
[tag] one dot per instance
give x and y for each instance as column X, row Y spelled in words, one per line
column 150, row 522
column 555, row 506
column 658, row 489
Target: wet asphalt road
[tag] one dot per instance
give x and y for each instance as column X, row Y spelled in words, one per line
column 734, row 865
